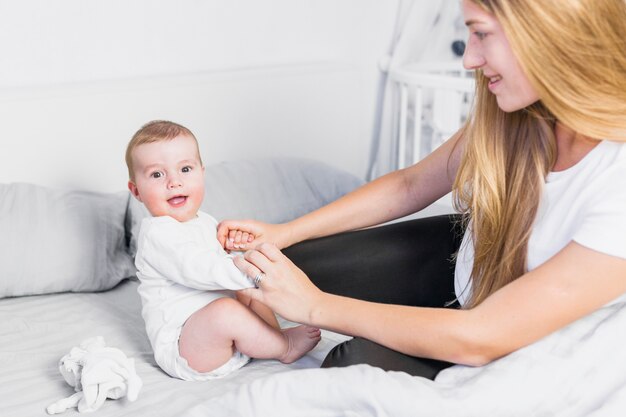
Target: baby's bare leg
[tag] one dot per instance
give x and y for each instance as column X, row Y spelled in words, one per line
column 259, row 308
column 210, row 336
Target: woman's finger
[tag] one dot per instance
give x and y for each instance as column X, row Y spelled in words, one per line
column 222, row 235
column 259, row 260
column 270, row 251
column 285, row 288
column 249, row 269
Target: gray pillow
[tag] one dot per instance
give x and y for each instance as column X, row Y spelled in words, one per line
column 273, row 190
column 56, row 241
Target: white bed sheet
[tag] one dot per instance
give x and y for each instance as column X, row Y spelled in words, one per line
column 36, row 331
column 578, row 371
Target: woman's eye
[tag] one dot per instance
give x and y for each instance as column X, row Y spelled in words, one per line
column 480, row 35
column 156, row 174
column 186, row 169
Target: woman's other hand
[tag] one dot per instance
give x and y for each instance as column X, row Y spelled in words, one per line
column 283, row 287
column 244, row 234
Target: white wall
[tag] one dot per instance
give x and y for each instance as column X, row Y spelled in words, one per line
column 251, row 78
column 75, row 136
column 65, row 41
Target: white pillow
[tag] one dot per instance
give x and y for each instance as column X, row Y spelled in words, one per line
column 273, row 190
column 56, row 241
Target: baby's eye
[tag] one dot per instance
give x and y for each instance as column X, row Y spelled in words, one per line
column 156, row 174
column 186, row 169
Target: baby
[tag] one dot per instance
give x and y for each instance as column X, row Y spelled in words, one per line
column 199, row 327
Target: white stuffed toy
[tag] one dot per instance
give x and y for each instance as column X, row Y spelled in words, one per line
column 96, row 372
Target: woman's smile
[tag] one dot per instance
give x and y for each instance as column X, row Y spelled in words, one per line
column 494, row 82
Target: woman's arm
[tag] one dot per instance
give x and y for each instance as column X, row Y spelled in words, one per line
column 389, row 197
column 567, row 287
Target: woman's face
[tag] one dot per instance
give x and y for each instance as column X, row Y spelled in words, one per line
column 489, row 51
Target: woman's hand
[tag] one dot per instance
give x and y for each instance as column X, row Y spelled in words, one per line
column 284, row 287
column 244, row 234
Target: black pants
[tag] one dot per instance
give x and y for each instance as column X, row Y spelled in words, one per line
column 408, row 263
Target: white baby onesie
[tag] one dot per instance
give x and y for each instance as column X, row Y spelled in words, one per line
column 182, row 268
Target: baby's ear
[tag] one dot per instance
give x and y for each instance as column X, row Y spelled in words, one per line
column 134, row 190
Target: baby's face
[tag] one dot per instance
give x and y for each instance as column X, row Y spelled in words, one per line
column 169, row 178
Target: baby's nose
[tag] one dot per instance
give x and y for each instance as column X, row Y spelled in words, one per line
column 174, row 183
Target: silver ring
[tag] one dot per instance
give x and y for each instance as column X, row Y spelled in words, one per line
column 258, row 278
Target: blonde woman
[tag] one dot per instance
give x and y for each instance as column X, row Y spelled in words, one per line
column 539, row 174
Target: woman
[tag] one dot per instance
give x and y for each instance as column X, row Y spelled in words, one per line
column 538, row 172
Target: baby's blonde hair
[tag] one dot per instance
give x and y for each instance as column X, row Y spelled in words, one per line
column 155, row 131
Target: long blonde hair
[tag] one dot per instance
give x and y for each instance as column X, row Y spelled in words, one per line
column 574, row 54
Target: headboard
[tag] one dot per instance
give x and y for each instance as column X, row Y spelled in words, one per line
column 74, row 136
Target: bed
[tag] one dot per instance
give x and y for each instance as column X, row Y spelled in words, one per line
column 76, row 294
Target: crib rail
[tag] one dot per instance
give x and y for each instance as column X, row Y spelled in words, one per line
column 433, row 98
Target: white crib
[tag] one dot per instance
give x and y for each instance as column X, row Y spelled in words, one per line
column 433, row 101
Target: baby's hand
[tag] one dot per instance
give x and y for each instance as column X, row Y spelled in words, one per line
column 238, row 235
column 237, row 240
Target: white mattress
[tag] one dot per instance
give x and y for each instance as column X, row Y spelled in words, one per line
column 36, row 331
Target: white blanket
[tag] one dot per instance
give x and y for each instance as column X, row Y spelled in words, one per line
column 579, row 370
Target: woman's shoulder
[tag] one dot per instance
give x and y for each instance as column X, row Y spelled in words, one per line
column 614, row 148
column 607, row 159
column 613, row 160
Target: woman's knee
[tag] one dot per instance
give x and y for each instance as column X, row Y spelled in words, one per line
column 362, row 351
column 403, row 263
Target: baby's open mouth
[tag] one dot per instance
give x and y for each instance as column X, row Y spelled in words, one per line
column 177, row 200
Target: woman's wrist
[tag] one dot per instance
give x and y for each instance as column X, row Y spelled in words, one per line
column 290, row 235
column 319, row 310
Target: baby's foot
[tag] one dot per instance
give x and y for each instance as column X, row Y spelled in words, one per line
column 300, row 340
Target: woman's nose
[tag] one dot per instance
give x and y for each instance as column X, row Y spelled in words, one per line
column 472, row 58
